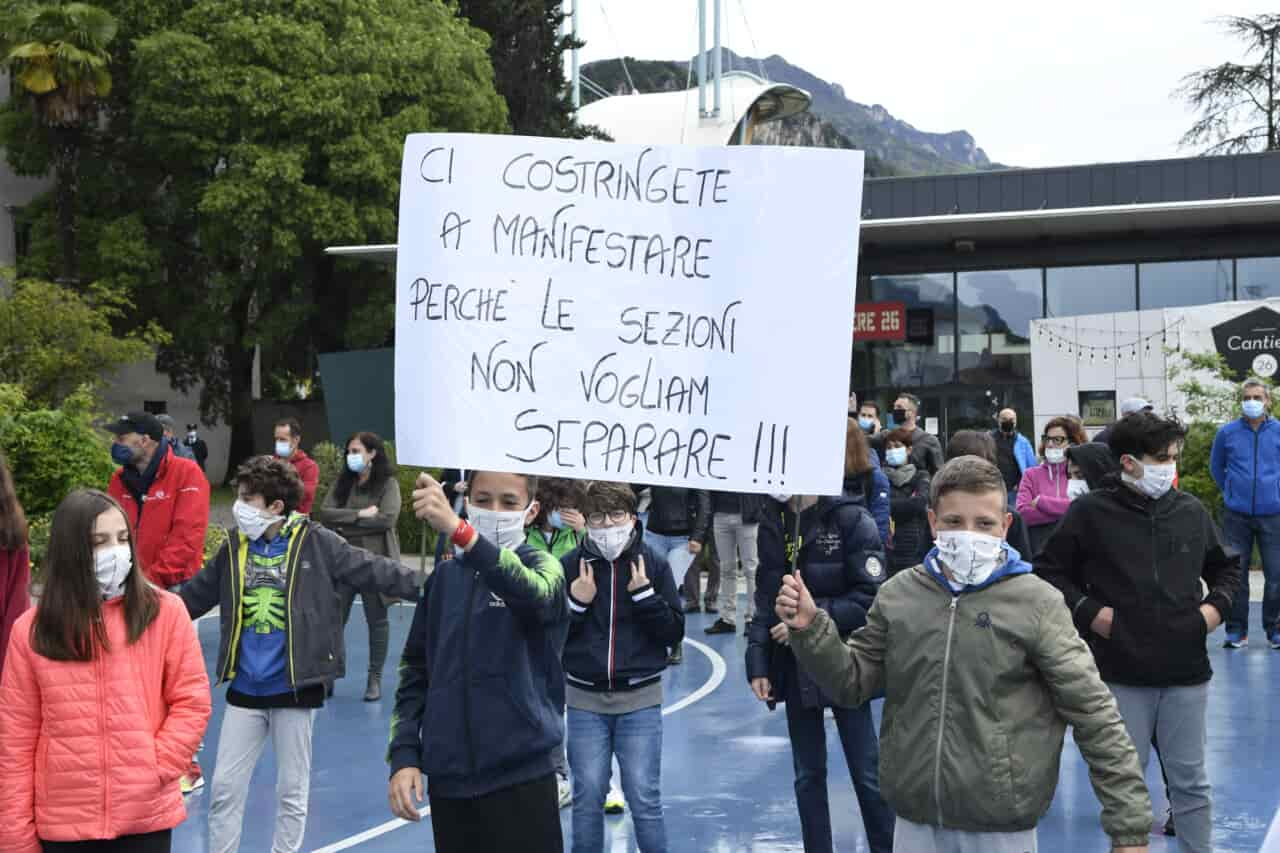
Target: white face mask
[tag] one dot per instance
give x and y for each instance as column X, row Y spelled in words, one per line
column 253, row 522
column 111, row 566
column 1155, row 479
column 971, row 557
column 504, row 529
column 611, row 541
column 896, row 456
column 1076, row 488
column 284, row 449
column 1055, row 455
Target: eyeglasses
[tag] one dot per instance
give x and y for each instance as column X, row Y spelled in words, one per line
column 617, row 516
column 1055, row 440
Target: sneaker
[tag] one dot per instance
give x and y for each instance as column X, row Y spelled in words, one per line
column 564, row 790
column 720, row 626
column 190, row 785
column 614, row 804
column 1274, row 639
column 676, row 656
column 1236, row 640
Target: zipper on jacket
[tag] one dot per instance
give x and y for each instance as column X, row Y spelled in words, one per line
column 1155, row 559
column 291, row 563
column 241, row 556
column 613, row 617
column 942, row 710
column 1253, row 499
column 466, row 675
column 102, row 742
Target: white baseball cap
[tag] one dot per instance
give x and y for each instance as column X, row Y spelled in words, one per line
column 1134, row 405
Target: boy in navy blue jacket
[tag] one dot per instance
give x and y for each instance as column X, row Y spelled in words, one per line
column 625, row 616
column 481, row 684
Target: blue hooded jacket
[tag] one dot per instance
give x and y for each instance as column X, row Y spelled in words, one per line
column 1246, row 466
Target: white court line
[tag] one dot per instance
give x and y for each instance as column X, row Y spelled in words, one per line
column 718, row 671
column 1272, row 842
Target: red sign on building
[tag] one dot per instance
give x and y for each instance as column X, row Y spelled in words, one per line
column 880, row 321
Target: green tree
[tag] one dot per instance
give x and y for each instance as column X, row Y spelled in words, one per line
column 53, row 340
column 58, row 55
column 1238, row 104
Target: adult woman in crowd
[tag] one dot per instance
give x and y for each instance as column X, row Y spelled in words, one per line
column 864, row 482
column 104, row 697
column 1042, row 494
column 908, row 503
column 15, row 566
column 973, row 442
column 363, row 507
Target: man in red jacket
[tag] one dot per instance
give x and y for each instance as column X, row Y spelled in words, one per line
column 288, row 437
column 165, row 497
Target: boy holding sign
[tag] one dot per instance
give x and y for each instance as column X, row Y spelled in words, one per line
column 982, row 671
column 481, row 685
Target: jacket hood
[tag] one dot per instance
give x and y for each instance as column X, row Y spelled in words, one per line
column 1013, row 565
column 1095, row 462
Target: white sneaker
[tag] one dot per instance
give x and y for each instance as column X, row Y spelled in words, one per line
column 565, row 790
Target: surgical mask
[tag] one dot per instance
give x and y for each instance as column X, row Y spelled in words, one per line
column 123, row 454
column 1076, row 488
column 191, row 436
column 896, row 456
column 867, row 424
column 556, row 520
column 611, row 541
column 1155, row 479
column 1055, row 455
column 1253, row 409
column 504, row 529
column 355, row 463
column 971, row 557
column 111, row 566
column 899, row 416
column 284, row 449
column 251, row 521
column 1007, row 426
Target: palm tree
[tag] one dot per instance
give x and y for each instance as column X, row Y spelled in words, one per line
column 57, row 54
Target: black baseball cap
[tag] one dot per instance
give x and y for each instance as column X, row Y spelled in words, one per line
column 143, row 423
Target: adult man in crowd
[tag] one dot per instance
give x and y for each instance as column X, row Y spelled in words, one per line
column 288, row 438
column 478, row 709
column 178, row 448
column 679, row 524
column 1245, row 463
column 1129, row 559
column 869, row 417
column 926, row 450
column 1014, row 453
column 1130, row 406
column 199, row 450
column 735, row 523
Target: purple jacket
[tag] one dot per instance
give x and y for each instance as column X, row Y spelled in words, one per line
column 1049, row 482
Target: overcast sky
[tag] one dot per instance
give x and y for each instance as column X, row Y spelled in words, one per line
column 1036, row 84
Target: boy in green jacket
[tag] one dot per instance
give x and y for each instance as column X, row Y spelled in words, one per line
column 982, row 670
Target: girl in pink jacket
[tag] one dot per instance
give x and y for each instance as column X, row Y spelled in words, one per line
column 1042, row 494
column 104, row 697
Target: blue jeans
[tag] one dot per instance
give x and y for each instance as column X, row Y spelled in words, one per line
column 862, row 752
column 636, row 739
column 1241, row 531
column 676, row 550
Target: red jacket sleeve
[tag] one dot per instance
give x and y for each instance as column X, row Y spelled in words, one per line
column 19, row 737
column 186, row 693
column 182, row 554
column 15, row 579
column 309, row 471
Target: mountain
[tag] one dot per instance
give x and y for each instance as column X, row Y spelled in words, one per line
column 893, row 146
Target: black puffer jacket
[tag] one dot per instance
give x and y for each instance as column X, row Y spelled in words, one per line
column 842, row 562
column 909, row 505
column 674, row 511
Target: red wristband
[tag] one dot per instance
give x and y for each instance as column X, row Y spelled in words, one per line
column 464, row 535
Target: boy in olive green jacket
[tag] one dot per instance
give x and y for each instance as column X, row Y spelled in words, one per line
column 982, row 670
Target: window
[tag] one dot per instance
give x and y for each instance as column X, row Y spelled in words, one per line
column 1171, row 285
column 995, row 313
column 1073, row 291
column 909, row 365
column 1257, row 278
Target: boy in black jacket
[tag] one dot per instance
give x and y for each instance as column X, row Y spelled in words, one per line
column 1128, row 559
column 625, row 615
column 481, row 685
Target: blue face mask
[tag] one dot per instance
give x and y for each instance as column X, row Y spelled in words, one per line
column 355, row 463
column 1253, row 409
column 123, row 454
column 555, row 520
column 896, row 456
column 867, row 424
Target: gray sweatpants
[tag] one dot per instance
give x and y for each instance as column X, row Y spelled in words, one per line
column 240, row 744
column 911, row 837
column 1176, row 716
column 735, row 540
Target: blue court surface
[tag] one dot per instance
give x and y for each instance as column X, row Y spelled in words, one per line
column 727, row 773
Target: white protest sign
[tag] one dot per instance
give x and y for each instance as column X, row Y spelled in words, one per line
column 667, row 315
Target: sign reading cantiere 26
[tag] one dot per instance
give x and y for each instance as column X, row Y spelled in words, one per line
column 667, row 315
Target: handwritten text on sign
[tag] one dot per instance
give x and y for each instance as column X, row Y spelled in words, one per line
column 645, row 314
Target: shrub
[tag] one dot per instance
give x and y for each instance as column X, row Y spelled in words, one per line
column 330, row 458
